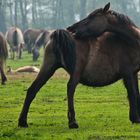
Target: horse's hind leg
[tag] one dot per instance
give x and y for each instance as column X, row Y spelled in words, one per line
column 3, row 77
column 133, row 96
column 41, row 79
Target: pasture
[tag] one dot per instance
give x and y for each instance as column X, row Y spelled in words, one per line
column 102, row 113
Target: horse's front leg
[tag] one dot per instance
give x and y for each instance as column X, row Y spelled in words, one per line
column 43, row 76
column 70, row 94
column 19, row 51
column 133, row 96
column 137, row 89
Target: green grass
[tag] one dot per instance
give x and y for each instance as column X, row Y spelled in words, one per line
column 102, row 113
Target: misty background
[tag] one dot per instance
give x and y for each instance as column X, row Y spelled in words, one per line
column 52, row 14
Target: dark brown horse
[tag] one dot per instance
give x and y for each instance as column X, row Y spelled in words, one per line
column 30, row 36
column 15, row 40
column 3, row 57
column 102, row 20
column 41, row 40
column 91, row 61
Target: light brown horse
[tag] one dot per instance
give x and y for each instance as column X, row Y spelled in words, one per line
column 91, row 61
column 15, row 40
column 30, row 36
column 3, row 57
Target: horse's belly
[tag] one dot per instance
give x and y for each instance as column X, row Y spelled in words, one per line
column 99, row 74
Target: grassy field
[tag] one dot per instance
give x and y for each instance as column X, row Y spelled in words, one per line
column 102, row 113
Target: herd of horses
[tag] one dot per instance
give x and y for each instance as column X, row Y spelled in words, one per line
column 96, row 51
column 15, row 41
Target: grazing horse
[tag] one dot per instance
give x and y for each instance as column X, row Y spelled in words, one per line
column 30, row 36
column 91, row 61
column 3, row 57
column 15, row 40
column 41, row 40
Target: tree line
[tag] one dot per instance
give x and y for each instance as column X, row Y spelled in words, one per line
column 52, row 14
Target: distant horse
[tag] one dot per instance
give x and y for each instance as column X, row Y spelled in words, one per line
column 41, row 40
column 30, row 36
column 91, row 61
column 3, row 57
column 15, row 40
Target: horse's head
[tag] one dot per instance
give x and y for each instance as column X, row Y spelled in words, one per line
column 93, row 25
column 99, row 21
column 36, row 54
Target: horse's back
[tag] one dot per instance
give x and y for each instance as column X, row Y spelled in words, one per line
column 31, row 34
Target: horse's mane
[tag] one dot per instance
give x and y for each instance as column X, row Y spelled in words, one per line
column 122, row 19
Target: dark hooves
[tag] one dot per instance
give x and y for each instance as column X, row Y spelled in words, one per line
column 135, row 121
column 73, row 125
column 3, row 83
column 22, row 124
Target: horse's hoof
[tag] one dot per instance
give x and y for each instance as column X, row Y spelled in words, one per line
column 73, row 125
column 134, row 121
column 22, row 124
column 3, row 83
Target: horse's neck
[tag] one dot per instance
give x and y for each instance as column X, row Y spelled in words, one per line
column 132, row 33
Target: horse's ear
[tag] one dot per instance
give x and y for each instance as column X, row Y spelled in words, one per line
column 106, row 8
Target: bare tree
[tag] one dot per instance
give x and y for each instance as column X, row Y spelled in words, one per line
column 16, row 7
column 23, row 7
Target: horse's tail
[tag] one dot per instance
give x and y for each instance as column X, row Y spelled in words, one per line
column 15, row 38
column 64, row 48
